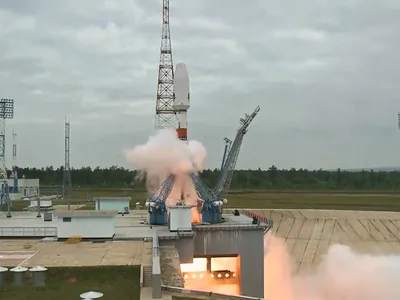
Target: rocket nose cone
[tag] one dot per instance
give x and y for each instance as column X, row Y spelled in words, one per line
column 181, row 70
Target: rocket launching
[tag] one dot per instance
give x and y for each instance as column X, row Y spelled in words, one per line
column 182, row 99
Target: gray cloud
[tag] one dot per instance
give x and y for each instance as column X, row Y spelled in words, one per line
column 325, row 74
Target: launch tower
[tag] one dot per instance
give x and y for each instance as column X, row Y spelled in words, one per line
column 165, row 113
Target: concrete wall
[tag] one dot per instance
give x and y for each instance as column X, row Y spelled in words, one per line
column 247, row 243
column 118, row 205
column 185, row 246
column 16, row 196
column 86, row 227
column 28, row 182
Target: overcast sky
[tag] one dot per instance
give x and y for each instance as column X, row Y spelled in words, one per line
column 325, row 73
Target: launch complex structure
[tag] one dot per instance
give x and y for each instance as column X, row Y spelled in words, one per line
column 214, row 248
column 173, row 102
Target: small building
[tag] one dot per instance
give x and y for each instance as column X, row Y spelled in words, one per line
column 22, row 187
column 180, row 218
column 120, row 204
column 42, row 203
column 86, row 223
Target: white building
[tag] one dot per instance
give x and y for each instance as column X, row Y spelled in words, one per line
column 180, row 218
column 120, row 204
column 22, row 187
column 86, row 223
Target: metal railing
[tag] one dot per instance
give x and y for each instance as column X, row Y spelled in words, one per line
column 172, row 289
column 156, row 268
column 28, row 231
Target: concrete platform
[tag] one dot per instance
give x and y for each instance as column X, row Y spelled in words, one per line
column 128, row 227
column 129, row 245
column 32, row 253
column 309, row 233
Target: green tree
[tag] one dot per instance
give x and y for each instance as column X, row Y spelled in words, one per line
column 271, row 179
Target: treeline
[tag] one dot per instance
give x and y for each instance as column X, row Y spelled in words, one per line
column 271, row 179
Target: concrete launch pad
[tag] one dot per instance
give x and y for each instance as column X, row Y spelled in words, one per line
column 33, row 253
column 128, row 227
column 309, row 233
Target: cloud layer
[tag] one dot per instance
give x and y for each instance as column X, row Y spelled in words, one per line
column 324, row 73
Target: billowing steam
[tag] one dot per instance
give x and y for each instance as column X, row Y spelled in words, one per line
column 342, row 275
column 165, row 154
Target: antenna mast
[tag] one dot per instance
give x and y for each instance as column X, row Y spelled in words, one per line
column 14, row 172
column 67, row 170
column 165, row 114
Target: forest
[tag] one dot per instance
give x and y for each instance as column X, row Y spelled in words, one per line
column 258, row 180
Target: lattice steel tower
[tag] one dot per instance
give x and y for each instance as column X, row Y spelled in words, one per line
column 67, row 170
column 165, row 114
column 14, row 172
column 6, row 112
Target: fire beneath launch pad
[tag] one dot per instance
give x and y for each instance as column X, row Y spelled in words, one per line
column 213, row 274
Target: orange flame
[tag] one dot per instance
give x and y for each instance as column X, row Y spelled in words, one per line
column 203, row 280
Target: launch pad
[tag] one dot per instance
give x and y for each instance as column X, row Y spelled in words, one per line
column 237, row 237
column 212, row 256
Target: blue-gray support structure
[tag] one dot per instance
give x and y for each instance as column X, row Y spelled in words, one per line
column 211, row 211
column 225, row 179
column 228, row 144
column 157, row 202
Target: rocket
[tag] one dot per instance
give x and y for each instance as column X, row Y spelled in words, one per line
column 182, row 99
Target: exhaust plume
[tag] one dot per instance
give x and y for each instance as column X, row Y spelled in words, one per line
column 342, row 275
column 165, row 154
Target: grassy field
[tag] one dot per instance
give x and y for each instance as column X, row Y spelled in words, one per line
column 299, row 200
column 275, row 200
column 315, row 201
column 122, row 282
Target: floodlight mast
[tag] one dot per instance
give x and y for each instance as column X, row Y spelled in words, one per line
column 6, row 112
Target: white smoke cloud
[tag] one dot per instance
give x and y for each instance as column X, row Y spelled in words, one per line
column 165, row 154
column 165, row 151
column 342, row 275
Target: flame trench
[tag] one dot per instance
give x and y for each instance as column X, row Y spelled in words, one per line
column 213, row 274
